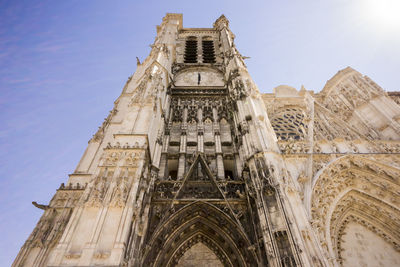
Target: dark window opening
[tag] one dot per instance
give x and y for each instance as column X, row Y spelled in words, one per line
column 284, row 248
column 228, row 174
column 173, row 175
column 229, row 169
column 208, row 51
column 191, row 50
column 172, row 169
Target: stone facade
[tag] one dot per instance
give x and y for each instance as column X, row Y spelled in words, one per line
column 195, row 167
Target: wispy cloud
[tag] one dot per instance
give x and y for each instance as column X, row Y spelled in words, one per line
column 17, row 81
column 52, row 46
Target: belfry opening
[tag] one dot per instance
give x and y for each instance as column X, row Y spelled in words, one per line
column 194, row 166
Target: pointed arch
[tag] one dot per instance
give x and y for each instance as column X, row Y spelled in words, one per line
column 355, row 188
column 338, row 77
column 196, row 238
column 209, row 225
column 367, row 211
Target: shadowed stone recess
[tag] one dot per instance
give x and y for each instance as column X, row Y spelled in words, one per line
column 199, row 255
column 194, row 166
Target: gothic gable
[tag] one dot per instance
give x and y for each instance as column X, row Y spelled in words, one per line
column 199, row 182
column 193, row 167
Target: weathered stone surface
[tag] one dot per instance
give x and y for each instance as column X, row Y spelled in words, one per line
column 199, row 255
column 194, row 167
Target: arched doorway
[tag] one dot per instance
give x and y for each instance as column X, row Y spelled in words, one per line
column 199, row 223
column 355, row 212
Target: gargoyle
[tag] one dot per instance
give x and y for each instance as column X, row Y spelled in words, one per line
column 40, row 206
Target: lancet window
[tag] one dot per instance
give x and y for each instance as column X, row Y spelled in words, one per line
column 191, row 50
column 208, row 50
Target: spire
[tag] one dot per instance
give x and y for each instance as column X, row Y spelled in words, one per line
column 221, row 22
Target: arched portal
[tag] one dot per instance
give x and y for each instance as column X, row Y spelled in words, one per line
column 355, row 199
column 362, row 246
column 201, row 250
column 199, row 222
column 199, row 255
column 364, row 229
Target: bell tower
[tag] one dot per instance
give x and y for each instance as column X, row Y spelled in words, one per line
column 186, row 169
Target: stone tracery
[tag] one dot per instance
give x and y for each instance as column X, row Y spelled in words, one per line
column 353, row 188
column 193, row 155
column 289, row 124
column 198, row 220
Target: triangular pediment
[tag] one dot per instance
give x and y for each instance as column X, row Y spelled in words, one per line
column 328, row 125
column 199, row 255
column 199, row 182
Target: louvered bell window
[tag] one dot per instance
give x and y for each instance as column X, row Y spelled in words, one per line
column 191, row 50
column 208, row 51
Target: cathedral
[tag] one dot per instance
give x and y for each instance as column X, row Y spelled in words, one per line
column 195, row 167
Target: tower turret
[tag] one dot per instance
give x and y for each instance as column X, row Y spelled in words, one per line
column 194, row 166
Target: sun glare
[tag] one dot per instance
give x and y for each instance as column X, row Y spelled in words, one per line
column 384, row 14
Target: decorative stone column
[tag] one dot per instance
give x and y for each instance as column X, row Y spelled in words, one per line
column 218, row 147
column 200, row 131
column 164, row 160
column 182, row 148
column 220, row 160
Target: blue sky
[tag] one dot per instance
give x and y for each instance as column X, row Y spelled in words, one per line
column 63, row 63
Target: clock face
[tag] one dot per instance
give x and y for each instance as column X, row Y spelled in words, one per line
column 199, row 78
